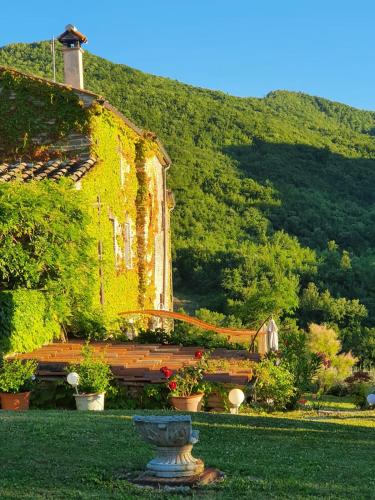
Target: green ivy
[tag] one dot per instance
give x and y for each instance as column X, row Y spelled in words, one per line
column 25, row 322
column 30, row 108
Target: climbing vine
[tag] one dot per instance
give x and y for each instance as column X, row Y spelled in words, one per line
column 35, row 116
column 36, row 113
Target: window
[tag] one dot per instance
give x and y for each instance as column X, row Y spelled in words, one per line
column 117, row 231
column 124, row 169
column 128, row 257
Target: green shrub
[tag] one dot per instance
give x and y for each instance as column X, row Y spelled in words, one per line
column 148, row 397
column 186, row 335
column 24, row 321
column 94, row 373
column 335, row 368
column 45, row 244
column 339, row 389
column 297, row 358
column 17, row 375
column 89, row 325
column 273, row 386
column 359, row 392
column 52, row 394
column 157, row 336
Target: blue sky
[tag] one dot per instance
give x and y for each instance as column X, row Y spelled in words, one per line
column 243, row 47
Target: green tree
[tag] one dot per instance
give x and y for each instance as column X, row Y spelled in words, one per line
column 265, row 279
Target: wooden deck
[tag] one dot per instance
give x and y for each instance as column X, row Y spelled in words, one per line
column 135, row 364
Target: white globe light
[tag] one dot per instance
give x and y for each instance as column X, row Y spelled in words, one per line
column 236, row 397
column 73, row 379
column 371, row 399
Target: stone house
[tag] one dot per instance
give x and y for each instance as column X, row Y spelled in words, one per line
column 50, row 130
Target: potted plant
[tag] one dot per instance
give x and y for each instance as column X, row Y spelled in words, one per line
column 16, row 379
column 93, row 380
column 186, row 386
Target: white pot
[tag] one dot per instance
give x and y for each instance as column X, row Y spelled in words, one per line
column 90, row 402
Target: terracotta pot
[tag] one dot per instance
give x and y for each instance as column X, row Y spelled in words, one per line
column 90, row 402
column 20, row 401
column 187, row 403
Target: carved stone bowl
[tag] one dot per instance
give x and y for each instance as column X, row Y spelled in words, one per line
column 173, row 438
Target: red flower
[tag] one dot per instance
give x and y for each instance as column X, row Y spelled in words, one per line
column 302, row 401
column 172, row 385
column 163, row 369
column 168, row 373
column 199, row 354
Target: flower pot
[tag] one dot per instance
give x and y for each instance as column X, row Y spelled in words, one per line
column 90, row 402
column 187, row 403
column 20, row 401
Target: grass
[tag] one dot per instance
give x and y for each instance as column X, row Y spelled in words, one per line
column 66, row 455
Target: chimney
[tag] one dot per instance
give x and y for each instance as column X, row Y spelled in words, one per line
column 72, row 40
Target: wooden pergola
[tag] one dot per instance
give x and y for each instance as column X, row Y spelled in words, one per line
column 240, row 335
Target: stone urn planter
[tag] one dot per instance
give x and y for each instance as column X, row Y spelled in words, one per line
column 20, row 401
column 173, row 439
column 191, row 403
column 90, row 402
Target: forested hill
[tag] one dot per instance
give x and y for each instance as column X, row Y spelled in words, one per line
column 243, row 169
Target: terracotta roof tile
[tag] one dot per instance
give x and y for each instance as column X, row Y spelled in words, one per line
column 55, row 169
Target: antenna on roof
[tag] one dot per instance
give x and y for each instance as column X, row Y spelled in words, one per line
column 53, row 58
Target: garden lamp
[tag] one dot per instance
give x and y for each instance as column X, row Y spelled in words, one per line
column 236, row 398
column 371, row 399
column 73, row 380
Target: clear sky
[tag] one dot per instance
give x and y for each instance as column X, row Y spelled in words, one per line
column 243, row 47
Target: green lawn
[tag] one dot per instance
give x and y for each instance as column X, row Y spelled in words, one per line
column 65, row 454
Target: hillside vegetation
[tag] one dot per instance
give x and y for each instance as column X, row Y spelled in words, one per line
column 275, row 197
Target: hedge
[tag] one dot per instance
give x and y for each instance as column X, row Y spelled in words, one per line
column 24, row 322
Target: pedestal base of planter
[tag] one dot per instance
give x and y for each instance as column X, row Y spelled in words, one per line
column 208, row 476
column 173, row 462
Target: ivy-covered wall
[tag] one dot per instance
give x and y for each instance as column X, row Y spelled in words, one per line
column 125, row 189
column 35, row 114
column 112, row 187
